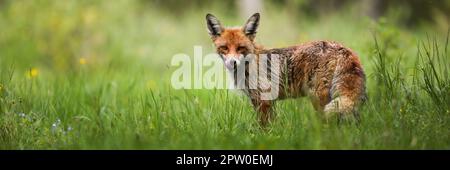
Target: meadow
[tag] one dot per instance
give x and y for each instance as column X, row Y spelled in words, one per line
column 96, row 75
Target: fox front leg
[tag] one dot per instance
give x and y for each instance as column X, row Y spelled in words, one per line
column 265, row 111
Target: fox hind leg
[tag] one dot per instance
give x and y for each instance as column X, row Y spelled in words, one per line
column 345, row 108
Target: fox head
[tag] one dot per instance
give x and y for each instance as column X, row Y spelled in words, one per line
column 233, row 44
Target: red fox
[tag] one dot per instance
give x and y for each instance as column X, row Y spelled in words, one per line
column 328, row 73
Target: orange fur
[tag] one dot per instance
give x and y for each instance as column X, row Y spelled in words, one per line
column 329, row 73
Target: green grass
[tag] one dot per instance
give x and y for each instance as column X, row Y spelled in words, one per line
column 121, row 97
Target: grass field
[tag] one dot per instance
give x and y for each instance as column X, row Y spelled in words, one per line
column 96, row 75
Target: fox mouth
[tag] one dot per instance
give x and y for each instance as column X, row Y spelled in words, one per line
column 231, row 63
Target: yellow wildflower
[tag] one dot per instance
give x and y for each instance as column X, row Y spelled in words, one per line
column 82, row 61
column 33, row 72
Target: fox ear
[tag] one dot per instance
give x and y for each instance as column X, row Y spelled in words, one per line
column 214, row 26
column 251, row 26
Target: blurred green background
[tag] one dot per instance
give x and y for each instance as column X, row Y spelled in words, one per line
column 96, row 74
column 54, row 35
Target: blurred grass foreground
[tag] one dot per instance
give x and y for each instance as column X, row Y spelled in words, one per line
column 81, row 74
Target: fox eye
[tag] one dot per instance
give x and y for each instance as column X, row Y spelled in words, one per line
column 223, row 48
column 241, row 49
